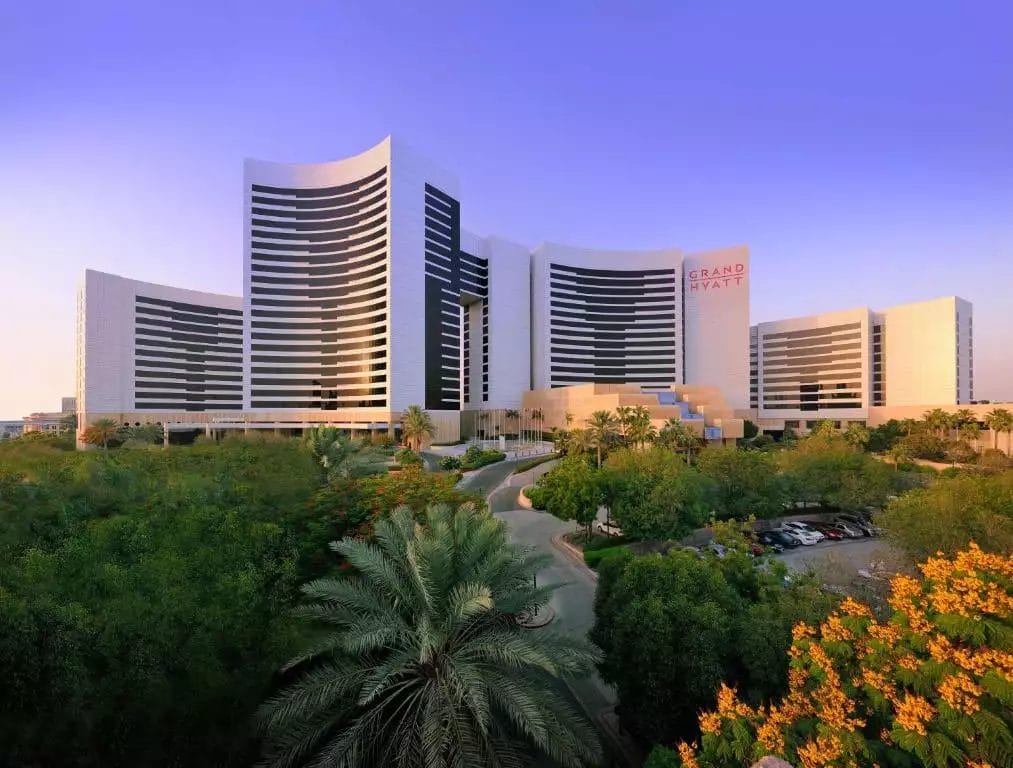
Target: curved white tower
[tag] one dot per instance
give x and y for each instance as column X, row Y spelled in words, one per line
column 316, row 278
column 606, row 316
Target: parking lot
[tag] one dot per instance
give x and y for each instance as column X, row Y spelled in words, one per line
column 853, row 554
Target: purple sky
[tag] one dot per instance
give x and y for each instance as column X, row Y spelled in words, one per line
column 864, row 152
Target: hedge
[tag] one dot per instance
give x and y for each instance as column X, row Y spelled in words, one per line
column 595, row 556
column 524, row 466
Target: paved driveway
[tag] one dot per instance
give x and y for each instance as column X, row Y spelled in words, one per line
column 573, row 602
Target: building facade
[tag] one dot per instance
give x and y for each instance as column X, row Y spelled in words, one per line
column 363, row 294
column 839, row 365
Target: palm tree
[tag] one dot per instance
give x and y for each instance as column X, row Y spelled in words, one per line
column 677, row 436
column 963, row 416
column 624, row 413
column 857, row 435
column 422, row 658
column 337, row 455
column 603, row 429
column 970, row 431
column 512, row 413
column 1000, row 420
column 639, row 430
column 909, row 426
column 416, row 427
column 101, row 432
column 578, row 441
column 938, row 420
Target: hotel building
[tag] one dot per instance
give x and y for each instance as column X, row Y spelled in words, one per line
column 363, row 294
column 843, row 365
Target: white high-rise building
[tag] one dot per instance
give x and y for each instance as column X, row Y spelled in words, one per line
column 838, row 365
column 362, row 294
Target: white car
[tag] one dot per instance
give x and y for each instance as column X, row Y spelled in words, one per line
column 608, row 529
column 849, row 530
column 797, row 525
column 803, row 536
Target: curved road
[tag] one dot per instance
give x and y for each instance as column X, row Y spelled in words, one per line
column 573, row 602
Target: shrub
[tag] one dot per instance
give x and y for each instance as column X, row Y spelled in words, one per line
column 449, row 463
column 524, row 466
column 595, row 556
column 476, row 457
column 928, row 686
column 406, row 457
column 536, row 496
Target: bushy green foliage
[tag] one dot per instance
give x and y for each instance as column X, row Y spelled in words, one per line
column 524, row 466
column 476, row 457
column 594, row 556
column 830, row 471
column 418, row 658
column 406, row 457
column 746, row 482
column 653, row 494
column 952, row 512
column 143, row 599
column 569, row 491
column 672, row 627
column 449, row 463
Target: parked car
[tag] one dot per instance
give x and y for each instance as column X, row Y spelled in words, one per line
column 770, row 542
column 849, row 530
column 608, row 529
column 828, row 530
column 803, row 535
column 718, row 549
column 801, row 527
column 860, row 522
column 777, row 540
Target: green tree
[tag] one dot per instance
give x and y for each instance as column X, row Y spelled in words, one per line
column 747, row 482
column 144, row 434
column 670, row 625
column 950, row 514
column 938, row 421
column 1000, row 420
column 417, row 427
column 571, row 491
column 857, row 435
column 675, row 435
column 970, row 432
column 603, row 430
column 420, row 659
column 578, row 442
column 882, row 438
column 831, row 472
column 640, row 430
column 675, row 507
column 101, row 432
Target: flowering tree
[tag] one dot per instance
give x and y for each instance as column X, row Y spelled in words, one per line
column 934, row 683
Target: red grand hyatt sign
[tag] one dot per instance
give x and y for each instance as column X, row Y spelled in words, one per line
column 712, row 278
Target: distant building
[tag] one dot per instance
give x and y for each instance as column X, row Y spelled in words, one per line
column 11, row 429
column 840, row 365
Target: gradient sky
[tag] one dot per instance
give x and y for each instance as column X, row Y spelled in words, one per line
column 863, row 151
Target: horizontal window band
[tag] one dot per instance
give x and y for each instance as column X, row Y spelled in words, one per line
column 344, row 200
column 317, row 405
column 317, row 191
column 221, row 321
column 203, row 309
column 193, row 386
column 610, row 292
column 810, row 332
column 628, row 273
column 332, row 281
column 599, row 326
column 194, row 376
column 194, row 407
column 229, row 333
column 346, row 223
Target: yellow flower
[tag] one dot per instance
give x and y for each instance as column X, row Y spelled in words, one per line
column 913, row 713
column 819, row 752
column 961, row 693
column 908, row 662
column 726, row 701
column 852, row 607
column 687, row 755
column 710, row 722
column 802, row 630
column 834, row 630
